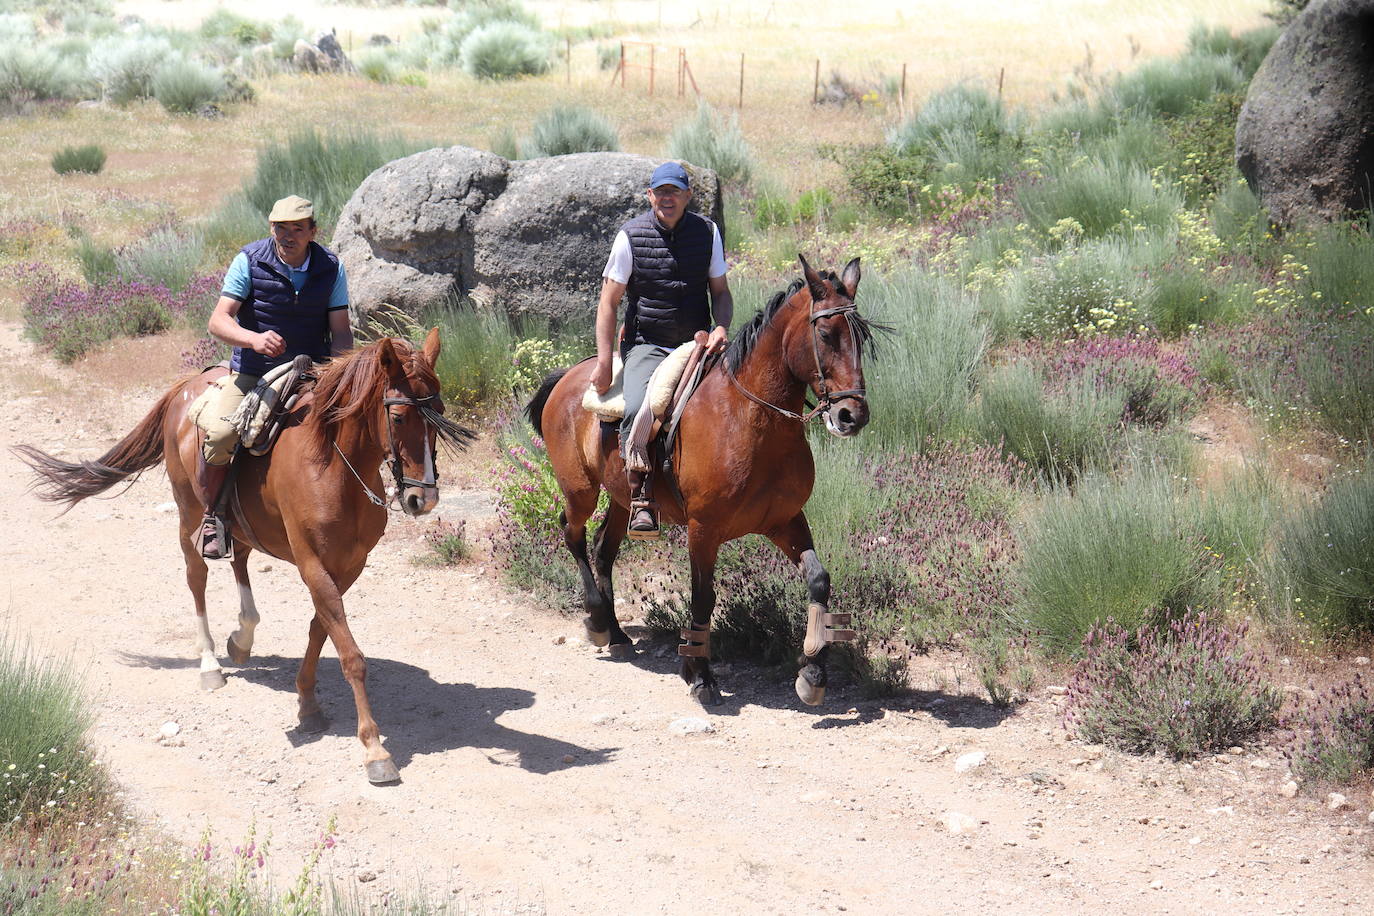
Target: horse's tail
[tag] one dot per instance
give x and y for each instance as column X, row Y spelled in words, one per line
column 69, row 482
column 534, row 410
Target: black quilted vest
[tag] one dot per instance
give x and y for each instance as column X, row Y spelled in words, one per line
column 668, row 291
column 302, row 319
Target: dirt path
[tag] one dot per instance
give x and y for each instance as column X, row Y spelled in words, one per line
column 541, row 776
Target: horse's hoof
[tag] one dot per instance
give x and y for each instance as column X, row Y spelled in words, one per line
column 621, row 651
column 706, row 694
column 808, row 692
column 313, row 723
column 212, row 680
column 236, row 655
column 599, row 639
column 381, row 772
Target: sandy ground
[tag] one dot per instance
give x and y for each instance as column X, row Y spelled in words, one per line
column 540, row 776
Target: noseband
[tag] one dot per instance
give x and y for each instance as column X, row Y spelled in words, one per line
column 825, row 398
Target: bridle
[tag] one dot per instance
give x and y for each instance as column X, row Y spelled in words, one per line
column 825, row 398
column 431, row 480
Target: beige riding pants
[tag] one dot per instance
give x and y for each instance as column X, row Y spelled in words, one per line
column 220, row 435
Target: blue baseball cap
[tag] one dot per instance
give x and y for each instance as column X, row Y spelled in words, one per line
column 670, row 173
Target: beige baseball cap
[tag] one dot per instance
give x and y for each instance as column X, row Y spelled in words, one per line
column 291, row 208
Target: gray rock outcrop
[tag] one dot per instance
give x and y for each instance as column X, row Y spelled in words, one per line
column 531, row 236
column 323, row 55
column 1305, row 137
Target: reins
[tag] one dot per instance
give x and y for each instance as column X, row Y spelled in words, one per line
column 825, row 397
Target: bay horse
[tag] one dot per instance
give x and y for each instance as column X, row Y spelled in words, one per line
column 312, row 500
column 742, row 463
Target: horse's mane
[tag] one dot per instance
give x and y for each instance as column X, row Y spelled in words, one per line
column 748, row 336
column 352, row 385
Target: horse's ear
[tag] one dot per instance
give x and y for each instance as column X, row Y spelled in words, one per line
column 387, row 359
column 431, row 347
column 850, row 278
column 820, row 290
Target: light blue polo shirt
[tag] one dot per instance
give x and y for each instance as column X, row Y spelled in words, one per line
column 239, row 285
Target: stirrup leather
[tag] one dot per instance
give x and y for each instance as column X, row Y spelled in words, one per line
column 696, row 643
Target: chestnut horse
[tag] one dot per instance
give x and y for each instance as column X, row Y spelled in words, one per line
column 742, row 463
column 311, row 501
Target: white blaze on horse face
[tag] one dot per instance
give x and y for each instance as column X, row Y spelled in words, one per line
column 248, row 620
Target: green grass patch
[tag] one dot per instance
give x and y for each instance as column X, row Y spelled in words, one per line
column 89, row 159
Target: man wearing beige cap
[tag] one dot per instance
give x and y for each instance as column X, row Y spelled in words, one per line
column 283, row 296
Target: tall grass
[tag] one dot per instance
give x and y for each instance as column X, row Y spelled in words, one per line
column 324, row 167
column 474, row 364
column 920, row 381
column 1323, row 575
column 710, row 140
column 1168, row 86
column 125, row 66
column 170, row 257
column 1101, row 196
column 1125, row 549
column 567, row 129
column 186, row 86
column 45, row 767
column 89, row 158
column 1059, row 434
column 504, row 50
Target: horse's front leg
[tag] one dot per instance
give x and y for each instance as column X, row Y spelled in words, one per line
column 696, row 638
column 240, row 642
column 794, row 539
column 327, row 594
column 602, row 627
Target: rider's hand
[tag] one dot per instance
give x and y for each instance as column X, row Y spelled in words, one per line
column 270, row 344
column 717, row 342
column 601, row 376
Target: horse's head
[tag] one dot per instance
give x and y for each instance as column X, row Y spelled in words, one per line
column 830, row 355
column 414, row 420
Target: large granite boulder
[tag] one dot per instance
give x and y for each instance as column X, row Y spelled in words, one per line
column 1305, row 137
column 531, row 236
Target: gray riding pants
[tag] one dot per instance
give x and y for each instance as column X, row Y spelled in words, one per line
column 640, row 363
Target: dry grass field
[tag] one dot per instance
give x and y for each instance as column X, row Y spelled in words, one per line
column 162, row 165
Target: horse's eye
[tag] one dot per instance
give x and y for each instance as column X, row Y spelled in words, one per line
column 827, row 337
column 397, row 417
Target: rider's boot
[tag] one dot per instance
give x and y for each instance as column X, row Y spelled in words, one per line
column 214, row 534
column 643, row 509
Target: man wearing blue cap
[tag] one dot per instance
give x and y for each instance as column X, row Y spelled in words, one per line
column 671, row 264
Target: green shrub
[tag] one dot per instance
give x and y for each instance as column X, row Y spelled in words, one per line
column 446, row 544
column 567, row 129
column 1170, row 85
column 37, row 74
column 1185, row 690
column 1201, row 156
column 1335, row 735
column 1325, row 558
column 378, row 64
column 711, row 141
column 1101, row 196
column 1057, row 434
column 187, row 87
column 1240, row 220
column 1085, row 290
column 1248, row 49
column 169, row 257
column 1340, row 265
column 234, row 28
column 503, row 50
column 98, row 262
column 1126, row 550
column 954, row 109
column 89, row 159
column 46, row 767
column 607, row 55
column 232, row 226
column 125, row 66
column 475, row 361
column 1183, row 299
column 325, row 168
column 879, row 176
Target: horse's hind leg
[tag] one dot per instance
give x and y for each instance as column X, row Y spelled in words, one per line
column 311, row 718
column 240, row 642
column 794, row 539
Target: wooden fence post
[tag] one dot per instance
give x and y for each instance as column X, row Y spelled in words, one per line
column 1001, row 74
column 741, row 81
column 651, row 70
column 816, row 84
column 569, row 61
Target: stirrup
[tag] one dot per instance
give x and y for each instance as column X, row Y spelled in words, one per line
column 643, row 532
column 215, row 543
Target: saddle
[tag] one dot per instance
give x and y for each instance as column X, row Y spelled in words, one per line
column 669, row 389
column 259, row 416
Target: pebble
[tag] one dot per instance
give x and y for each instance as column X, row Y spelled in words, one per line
column 1371, row 817
column 559, row 640
column 1057, row 691
column 1156, row 885
column 1361, row 660
column 1260, row 764
column 957, row 823
column 1228, row 810
column 1289, row 789
column 569, row 758
column 970, row 761
column 690, row 725
column 603, row 718
column 169, row 730
column 1336, row 801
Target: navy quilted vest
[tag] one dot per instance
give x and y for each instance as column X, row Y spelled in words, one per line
column 302, row 319
column 668, row 291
